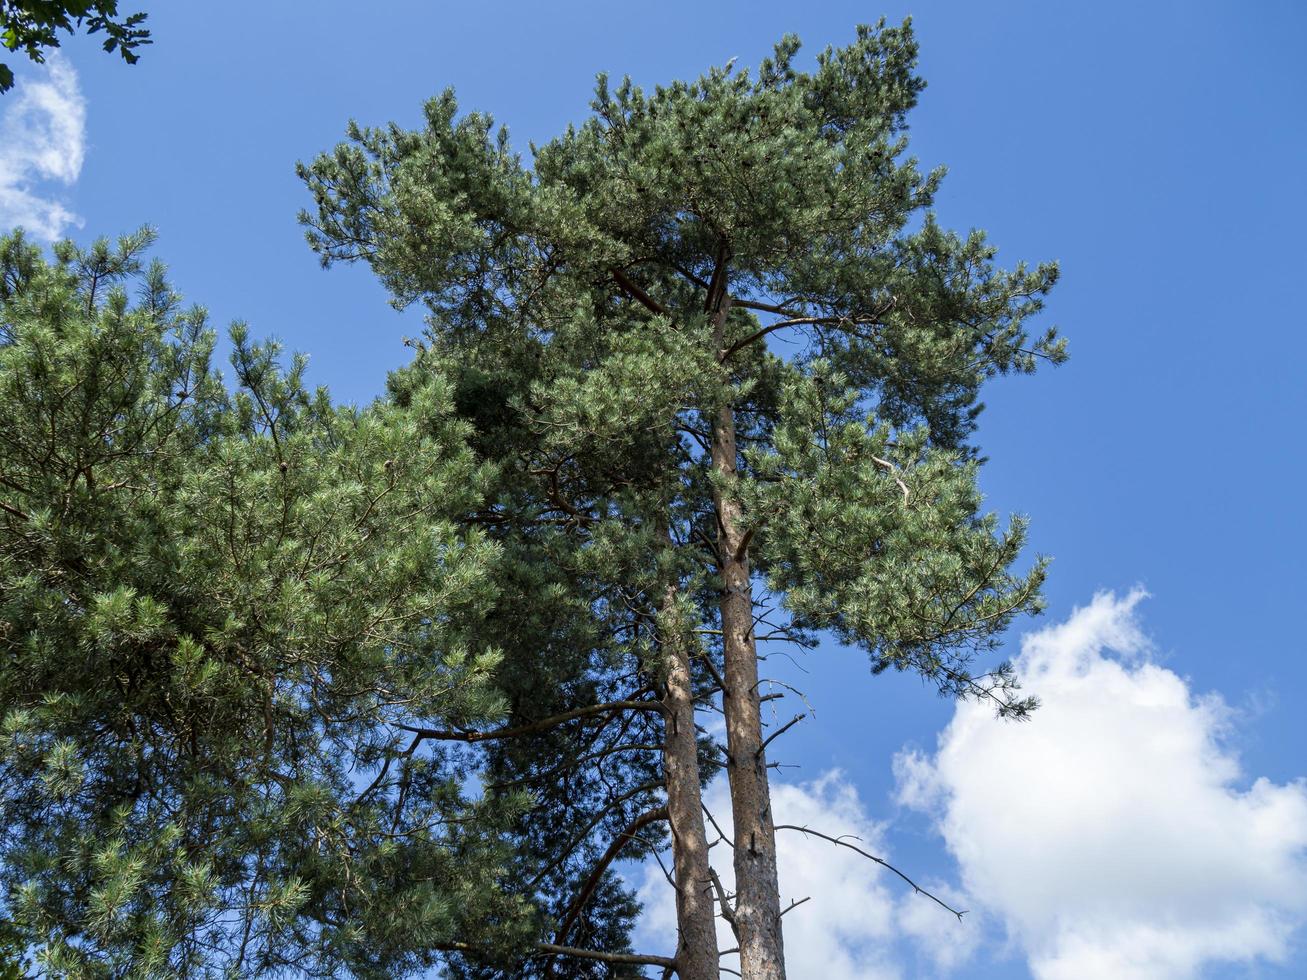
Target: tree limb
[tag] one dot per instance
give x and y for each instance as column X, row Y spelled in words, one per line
column 779, row 732
column 633, row 289
column 615, row 848
column 551, row 949
column 13, row 510
column 796, row 321
column 728, row 913
column 894, row 472
column 843, row 842
column 544, row 724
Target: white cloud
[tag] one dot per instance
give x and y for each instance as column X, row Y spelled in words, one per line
column 847, row 928
column 1112, row 834
column 42, row 143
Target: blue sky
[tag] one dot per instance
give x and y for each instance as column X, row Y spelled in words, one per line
column 1158, row 151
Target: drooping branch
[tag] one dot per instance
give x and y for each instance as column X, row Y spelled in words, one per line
column 574, row 763
column 717, row 827
column 759, row 334
column 14, row 511
column 579, row 838
column 843, row 841
column 614, row 849
column 798, row 321
column 385, row 769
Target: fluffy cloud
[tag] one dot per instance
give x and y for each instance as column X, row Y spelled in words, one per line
column 42, row 142
column 855, row 910
column 1115, row 835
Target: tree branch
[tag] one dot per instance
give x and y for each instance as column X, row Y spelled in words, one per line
column 551, row 949
column 717, row 284
column 796, row 321
column 712, row 820
column 615, row 848
column 778, row 733
column 843, row 842
column 579, row 839
column 894, row 472
column 633, row 289
column 13, row 510
column 544, row 724
column 728, row 913
column 759, row 334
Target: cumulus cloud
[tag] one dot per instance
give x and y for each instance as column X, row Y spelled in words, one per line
column 42, row 146
column 855, row 912
column 1115, row 835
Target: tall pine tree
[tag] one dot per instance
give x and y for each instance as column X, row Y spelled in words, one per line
column 609, row 308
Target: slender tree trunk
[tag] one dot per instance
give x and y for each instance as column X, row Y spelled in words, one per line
column 758, row 903
column 696, row 953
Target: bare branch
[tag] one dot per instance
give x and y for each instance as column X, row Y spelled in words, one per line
column 778, row 733
column 759, row 334
column 716, row 674
column 795, row 321
column 894, row 471
column 728, row 913
column 712, row 820
column 843, row 841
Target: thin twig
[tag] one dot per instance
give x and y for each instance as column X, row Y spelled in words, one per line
column 712, row 820
column 795, row 904
column 842, row 842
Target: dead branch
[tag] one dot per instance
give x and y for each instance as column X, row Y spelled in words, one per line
column 728, row 913
column 894, row 472
column 843, row 841
column 779, row 732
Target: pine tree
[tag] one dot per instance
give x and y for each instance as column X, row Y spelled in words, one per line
column 222, row 615
column 606, row 312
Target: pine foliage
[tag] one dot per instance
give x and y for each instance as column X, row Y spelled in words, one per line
column 217, row 609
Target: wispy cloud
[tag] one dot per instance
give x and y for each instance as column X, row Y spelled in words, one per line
column 1116, row 834
column 42, row 146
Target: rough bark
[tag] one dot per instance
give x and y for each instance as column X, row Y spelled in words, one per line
column 696, row 954
column 758, row 907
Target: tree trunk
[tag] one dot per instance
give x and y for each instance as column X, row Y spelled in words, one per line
column 758, row 904
column 696, row 953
